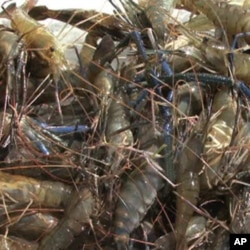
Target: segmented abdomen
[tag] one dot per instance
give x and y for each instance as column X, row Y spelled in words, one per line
column 159, row 14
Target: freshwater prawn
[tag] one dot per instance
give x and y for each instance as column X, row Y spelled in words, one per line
column 154, row 14
column 23, row 190
column 8, row 40
column 15, row 243
column 188, row 165
column 204, row 150
column 32, row 225
column 139, row 191
column 77, row 214
column 218, row 13
column 89, row 20
column 144, row 172
column 46, row 55
column 47, row 48
column 217, row 55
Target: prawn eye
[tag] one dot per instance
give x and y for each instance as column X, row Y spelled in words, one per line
column 209, row 139
column 205, row 40
column 52, row 49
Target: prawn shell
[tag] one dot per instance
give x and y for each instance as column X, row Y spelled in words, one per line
column 218, row 13
column 240, row 223
column 47, row 48
column 139, row 191
column 77, row 215
column 32, row 227
column 14, row 243
column 23, row 190
column 218, row 136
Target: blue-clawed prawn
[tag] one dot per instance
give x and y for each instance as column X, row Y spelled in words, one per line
column 154, row 14
column 216, row 54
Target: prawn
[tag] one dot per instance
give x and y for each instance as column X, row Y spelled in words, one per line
column 47, row 48
column 190, row 99
column 239, row 167
column 196, row 228
column 246, row 4
column 8, row 40
column 211, row 141
column 11, row 51
column 98, row 23
column 118, row 134
column 100, row 72
column 159, row 14
column 240, row 211
column 219, row 133
column 218, row 13
column 216, row 54
column 19, row 189
column 189, row 102
column 77, row 215
column 46, row 53
column 32, row 226
column 15, row 243
column 188, row 166
column 147, row 14
column 241, row 141
column 140, row 189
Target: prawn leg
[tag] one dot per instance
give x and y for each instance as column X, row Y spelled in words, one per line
column 211, row 79
column 65, row 129
column 150, row 73
column 166, row 111
column 40, row 137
